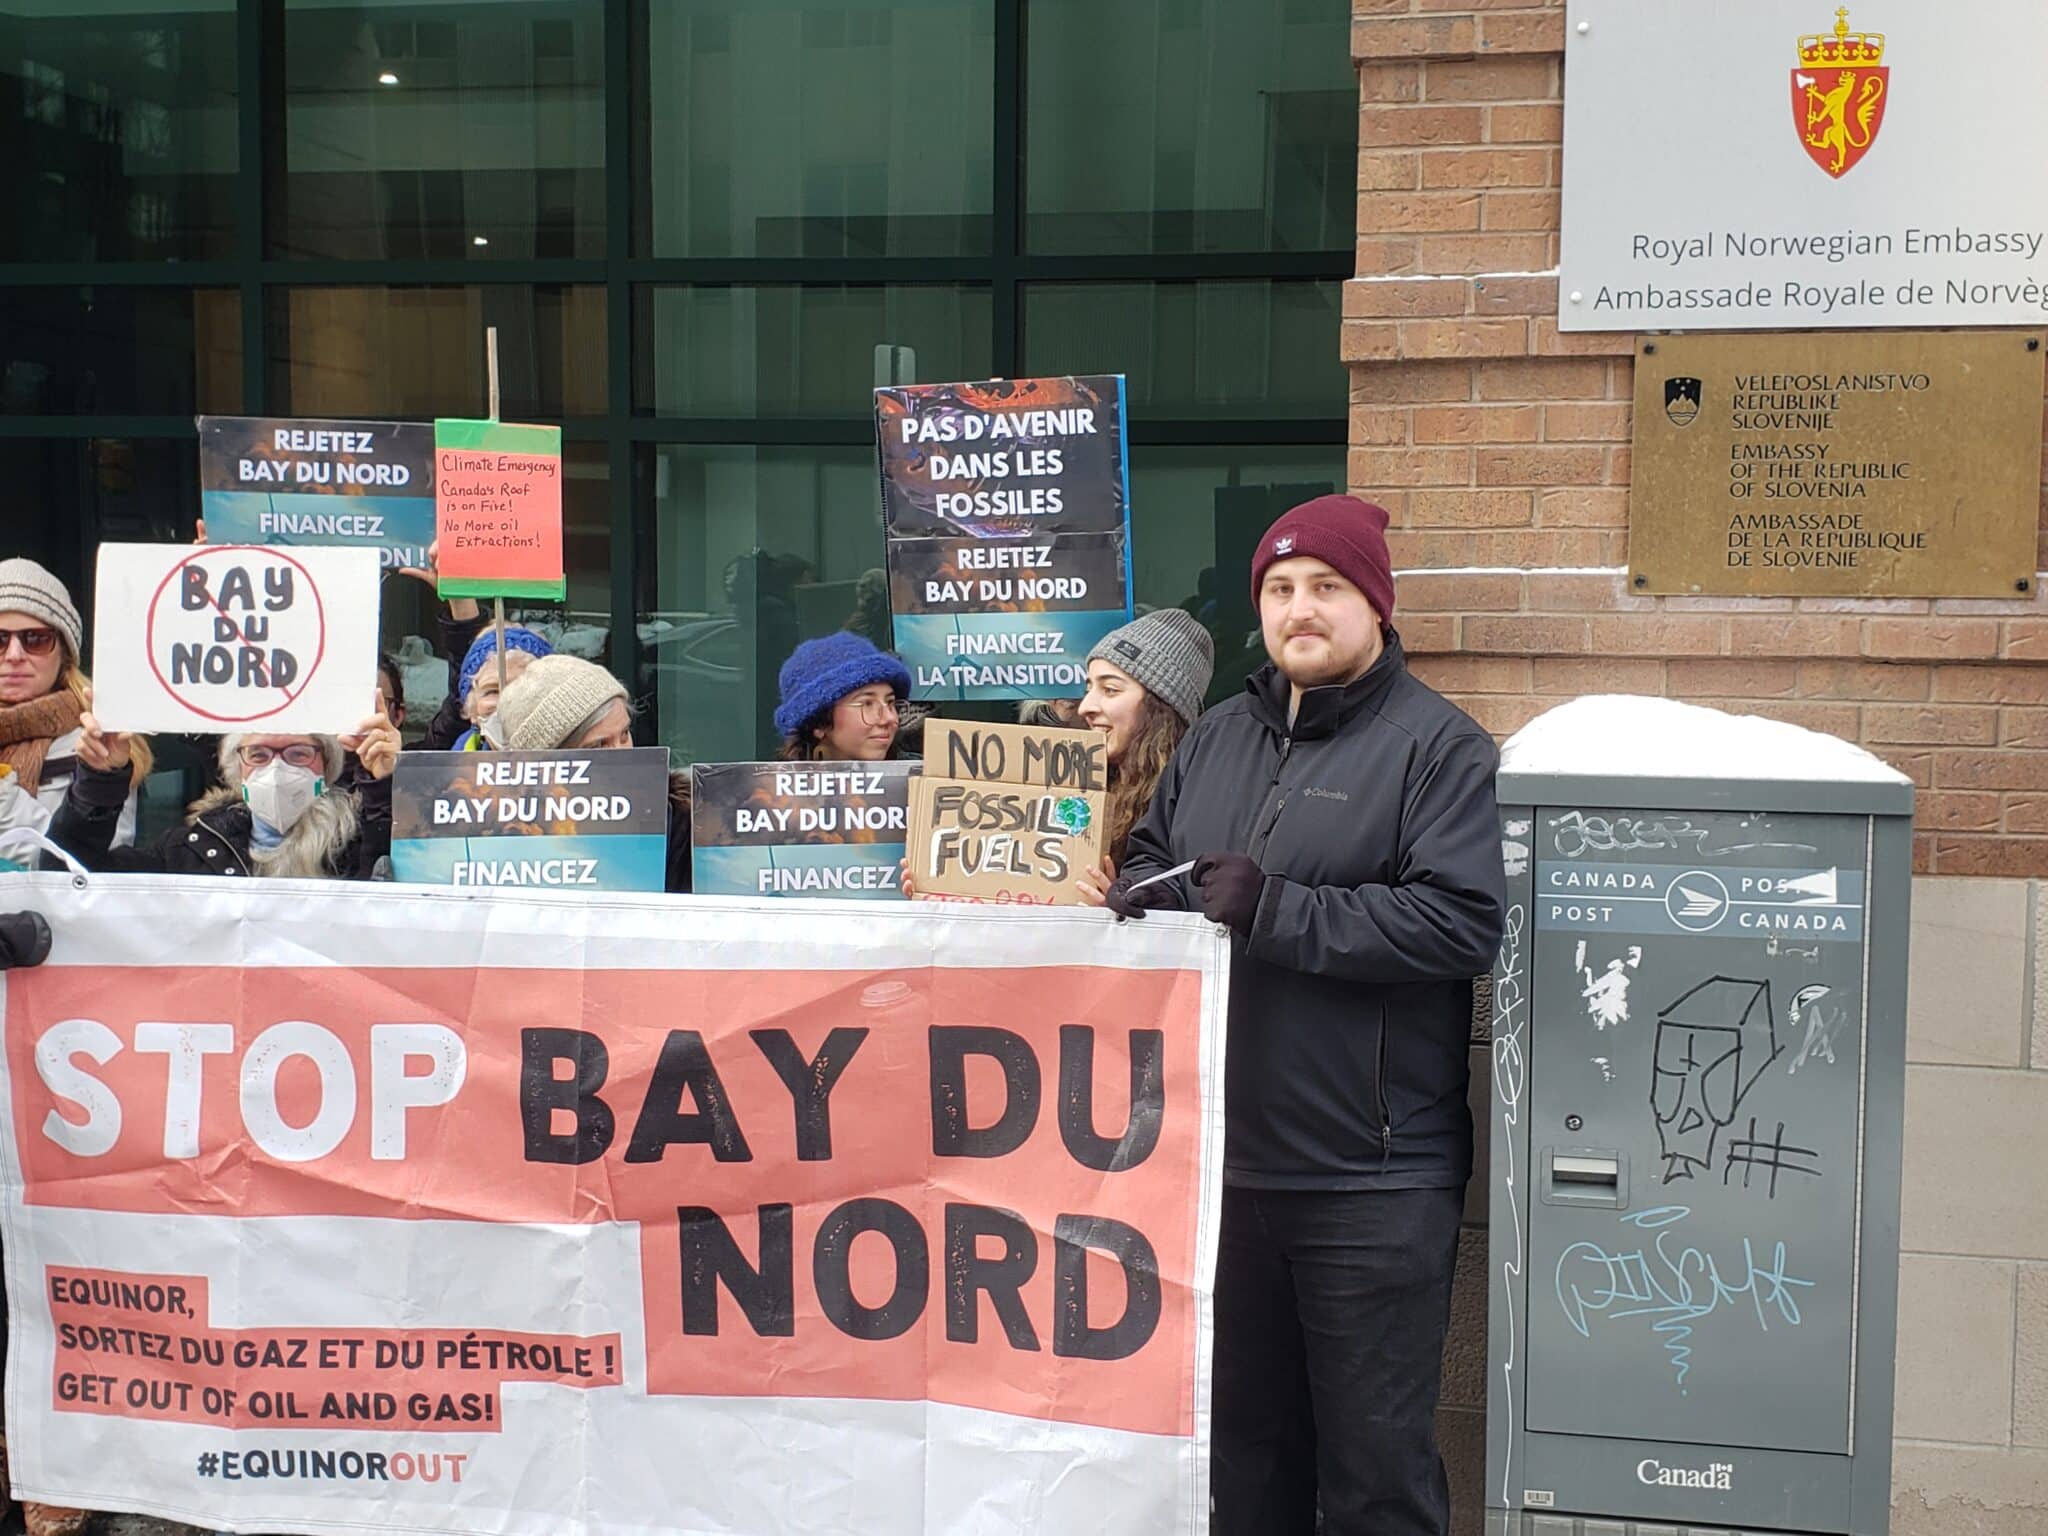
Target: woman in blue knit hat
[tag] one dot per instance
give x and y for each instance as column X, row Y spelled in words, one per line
column 477, row 682
column 841, row 701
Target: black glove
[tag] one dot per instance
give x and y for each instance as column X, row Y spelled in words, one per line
column 24, row 940
column 1230, row 884
column 1125, row 902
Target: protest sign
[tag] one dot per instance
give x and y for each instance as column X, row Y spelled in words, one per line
column 557, row 1216
column 1057, row 757
column 594, row 821
column 1007, row 510
column 498, row 509
column 234, row 637
column 264, row 480
column 1006, row 813
column 799, row 829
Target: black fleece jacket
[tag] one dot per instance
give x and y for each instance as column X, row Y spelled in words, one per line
column 1374, row 819
column 211, row 841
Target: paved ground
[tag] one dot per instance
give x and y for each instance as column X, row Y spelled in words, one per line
column 113, row 1525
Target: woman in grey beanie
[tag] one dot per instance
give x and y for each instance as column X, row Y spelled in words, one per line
column 1146, row 683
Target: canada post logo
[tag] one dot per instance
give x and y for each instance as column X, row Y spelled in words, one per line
column 1838, row 95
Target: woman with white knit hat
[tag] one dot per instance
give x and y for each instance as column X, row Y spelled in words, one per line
column 562, row 703
column 43, row 694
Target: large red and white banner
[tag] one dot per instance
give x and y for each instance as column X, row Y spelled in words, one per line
column 340, row 1206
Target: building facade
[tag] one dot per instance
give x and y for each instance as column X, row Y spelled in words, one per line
column 1320, row 238
column 1502, row 446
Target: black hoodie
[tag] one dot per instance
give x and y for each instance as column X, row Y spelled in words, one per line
column 1351, row 998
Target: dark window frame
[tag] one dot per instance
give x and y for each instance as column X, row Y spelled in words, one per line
column 623, row 430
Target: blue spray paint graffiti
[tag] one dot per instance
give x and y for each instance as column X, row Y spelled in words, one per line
column 1673, row 1284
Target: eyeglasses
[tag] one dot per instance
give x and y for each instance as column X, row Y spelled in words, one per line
column 300, row 754
column 34, row 642
column 874, row 711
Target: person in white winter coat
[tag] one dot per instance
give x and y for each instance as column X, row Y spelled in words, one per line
column 43, row 692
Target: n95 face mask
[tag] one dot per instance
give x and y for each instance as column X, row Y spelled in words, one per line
column 279, row 793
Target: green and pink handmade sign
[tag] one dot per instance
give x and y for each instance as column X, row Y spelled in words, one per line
column 498, row 509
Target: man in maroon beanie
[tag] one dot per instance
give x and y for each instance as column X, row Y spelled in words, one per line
column 1341, row 820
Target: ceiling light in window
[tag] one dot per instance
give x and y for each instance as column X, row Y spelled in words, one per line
column 387, row 78
column 479, row 240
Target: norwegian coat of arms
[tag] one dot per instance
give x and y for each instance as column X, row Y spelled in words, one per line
column 1838, row 95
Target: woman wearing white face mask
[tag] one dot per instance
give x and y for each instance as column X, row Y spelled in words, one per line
column 274, row 814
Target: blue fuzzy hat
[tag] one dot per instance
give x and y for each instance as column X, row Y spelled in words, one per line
column 819, row 673
column 517, row 638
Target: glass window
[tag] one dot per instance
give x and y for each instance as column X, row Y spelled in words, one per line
column 118, row 123
column 819, row 127
column 789, row 351
column 1196, row 517
column 1252, row 349
column 415, row 353
column 443, row 131
column 75, row 492
column 1190, row 125
column 120, row 351
column 750, row 550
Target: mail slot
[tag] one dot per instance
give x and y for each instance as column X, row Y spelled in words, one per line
column 1585, row 1178
column 1698, row 1041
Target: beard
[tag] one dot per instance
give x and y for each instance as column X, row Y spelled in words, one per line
column 1324, row 665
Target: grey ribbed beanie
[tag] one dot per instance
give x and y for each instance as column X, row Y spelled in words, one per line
column 551, row 698
column 1167, row 652
column 26, row 587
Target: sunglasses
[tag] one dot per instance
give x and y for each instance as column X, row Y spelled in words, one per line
column 34, row 642
column 300, row 754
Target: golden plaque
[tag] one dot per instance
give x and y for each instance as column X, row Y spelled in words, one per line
column 1837, row 464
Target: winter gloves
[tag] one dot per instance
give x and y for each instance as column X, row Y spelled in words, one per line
column 1229, row 885
column 24, row 940
column 1125, row 901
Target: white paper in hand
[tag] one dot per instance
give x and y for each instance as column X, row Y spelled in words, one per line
column 234, row 637
column 1165, row 874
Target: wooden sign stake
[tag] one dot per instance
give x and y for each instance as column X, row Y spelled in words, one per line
column 497, row 603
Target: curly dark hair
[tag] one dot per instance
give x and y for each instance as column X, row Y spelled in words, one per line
column 1134, row 777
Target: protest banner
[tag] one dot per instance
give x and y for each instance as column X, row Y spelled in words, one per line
column 265, row 480
column 498, row 509
column 1007, row 511
column 234, row 637
column 1006, row 813
column 595, row 821
column 555, row 1215
column 799, row 829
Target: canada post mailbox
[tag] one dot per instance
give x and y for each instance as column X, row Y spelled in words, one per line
column 1698, row 1049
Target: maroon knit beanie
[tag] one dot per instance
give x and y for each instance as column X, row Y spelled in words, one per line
column 1346, row 534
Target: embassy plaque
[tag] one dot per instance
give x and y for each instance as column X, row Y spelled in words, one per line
column 1874, row 464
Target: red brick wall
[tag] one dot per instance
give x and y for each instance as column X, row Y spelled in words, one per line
column 1501, row 446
